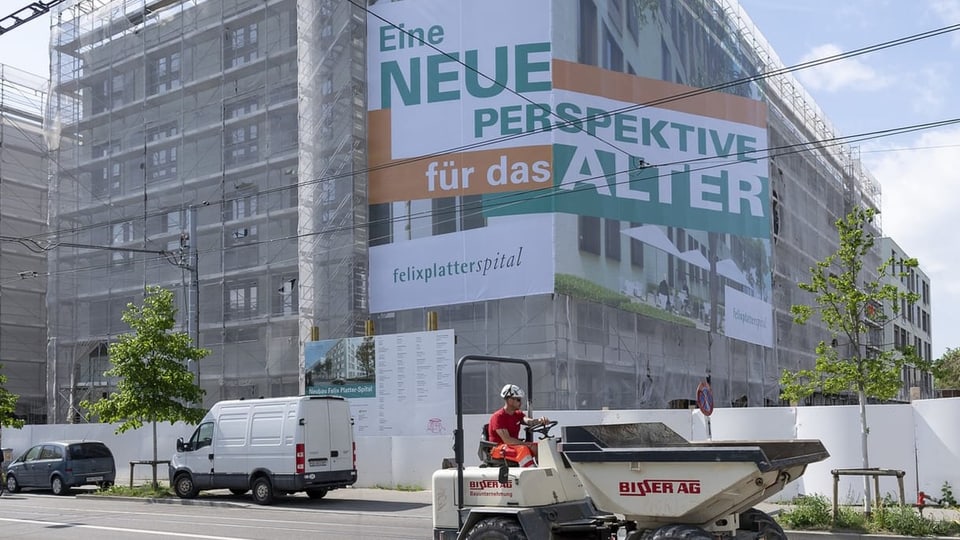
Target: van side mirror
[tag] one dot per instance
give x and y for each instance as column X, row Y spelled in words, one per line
column 179, row 444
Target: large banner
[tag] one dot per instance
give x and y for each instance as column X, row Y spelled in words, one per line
column 482, row 137
column 397, row 384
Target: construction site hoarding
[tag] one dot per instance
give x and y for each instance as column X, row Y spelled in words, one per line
column 484, row 144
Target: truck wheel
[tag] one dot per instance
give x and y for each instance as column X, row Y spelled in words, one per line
column 57, row 486
column 184, row 487
column 497, row 528
column 679, row 532
column 759, row 524
column 316, row 493
column 262, row 491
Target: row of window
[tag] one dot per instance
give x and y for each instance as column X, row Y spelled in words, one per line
column 164, row 70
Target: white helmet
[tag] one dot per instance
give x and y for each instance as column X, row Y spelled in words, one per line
column 511, row 390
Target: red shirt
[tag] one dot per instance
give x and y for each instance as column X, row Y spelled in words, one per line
column 502, row 420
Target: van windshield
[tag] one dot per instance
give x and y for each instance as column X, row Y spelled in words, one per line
column 89, row 451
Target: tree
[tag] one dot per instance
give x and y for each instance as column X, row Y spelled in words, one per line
column 8, row 405
column 852, row 308
column 155, row 384
column 366, row 358
column 946, row 370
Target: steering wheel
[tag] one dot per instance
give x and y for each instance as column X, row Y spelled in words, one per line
column 544, row 429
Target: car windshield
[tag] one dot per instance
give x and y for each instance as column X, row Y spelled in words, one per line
column 89, row 451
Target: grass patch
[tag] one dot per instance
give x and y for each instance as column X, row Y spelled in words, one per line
column 816, row 513
column 145, row 491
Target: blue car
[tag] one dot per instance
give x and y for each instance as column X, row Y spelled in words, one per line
column 61, row 465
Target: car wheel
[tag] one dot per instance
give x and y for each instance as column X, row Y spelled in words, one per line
column 105, row 485
column 184, row 487
column 316, row 493
column 262, row 491
column 12, row 485
column 58, row 487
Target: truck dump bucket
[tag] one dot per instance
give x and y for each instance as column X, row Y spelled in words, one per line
column 650, row 474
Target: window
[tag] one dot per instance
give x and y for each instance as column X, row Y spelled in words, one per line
column 241, row 207
column 444, row 215
column 51, row 452
column 590, row 324
column 203, row 436
column 380, row 226
column 242, row 145
column 611, row 239
column 287, row 298
column 612, row 54
column 173, row 221
column 241, row 108
column 163, row 73
column 162, row 163
column 636, row 250
column 241, row 300
column 471, row 212
column 240, row 45
column 587, row 39
column 589, row 234
column 162, row 131
column 107, row 180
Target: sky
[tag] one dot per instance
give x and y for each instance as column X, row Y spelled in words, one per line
column 894, row 87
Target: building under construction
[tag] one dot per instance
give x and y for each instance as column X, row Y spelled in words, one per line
column 23, row 261
column 288, row 168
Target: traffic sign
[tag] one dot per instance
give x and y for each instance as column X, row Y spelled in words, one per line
column 705, row 399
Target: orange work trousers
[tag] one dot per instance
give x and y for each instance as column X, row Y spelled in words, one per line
column 518, row 453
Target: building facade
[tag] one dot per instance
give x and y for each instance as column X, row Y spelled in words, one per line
column 23, row 224
column 912, row 326
column 606, row 188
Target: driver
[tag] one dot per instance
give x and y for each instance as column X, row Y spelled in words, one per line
column 504, row 429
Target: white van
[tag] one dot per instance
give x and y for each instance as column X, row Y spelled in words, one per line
column 271, row 446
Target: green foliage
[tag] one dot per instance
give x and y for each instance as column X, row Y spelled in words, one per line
column 8, row 405
column 367, row 358
column 147, row 491
column 808, row 512
column 816, row 513
column 946, row 496
column 155, row 384
column 946, row 370
column 851, row 308
column 583, row 289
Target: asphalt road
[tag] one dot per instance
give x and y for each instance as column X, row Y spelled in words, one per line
column 347, row 513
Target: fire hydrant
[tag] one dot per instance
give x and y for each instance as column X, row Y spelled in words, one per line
column 922, row 499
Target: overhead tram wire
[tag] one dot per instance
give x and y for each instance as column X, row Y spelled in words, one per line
column 660, row 101
column 514, row 198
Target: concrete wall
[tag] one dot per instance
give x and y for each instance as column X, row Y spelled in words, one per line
column 922, row 439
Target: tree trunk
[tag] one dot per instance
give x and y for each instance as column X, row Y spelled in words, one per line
column 154, row 454
column 863, row 449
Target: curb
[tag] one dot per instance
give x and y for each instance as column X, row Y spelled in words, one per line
column 168, row 500
column 823, row 535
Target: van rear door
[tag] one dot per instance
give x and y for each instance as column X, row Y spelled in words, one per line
column 316, row 434
column 341, row 436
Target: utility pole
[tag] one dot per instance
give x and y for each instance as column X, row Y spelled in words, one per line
column 189, row 260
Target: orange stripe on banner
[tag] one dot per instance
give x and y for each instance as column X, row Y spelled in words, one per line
column 632, row 89
column 461, row 173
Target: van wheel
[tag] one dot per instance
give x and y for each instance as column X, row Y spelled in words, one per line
column 57, row 486
column 12, row 485
column 316, row 493
column 184, row 487
column 105, row 485
column 262, row 491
